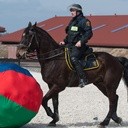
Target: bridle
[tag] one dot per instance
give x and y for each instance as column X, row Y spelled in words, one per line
column 45, row 56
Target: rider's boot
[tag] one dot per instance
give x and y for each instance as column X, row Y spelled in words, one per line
column 82, row 78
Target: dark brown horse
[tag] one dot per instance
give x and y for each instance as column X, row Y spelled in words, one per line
column 58, row 76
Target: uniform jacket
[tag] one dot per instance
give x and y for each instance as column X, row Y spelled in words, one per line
column 79, row 29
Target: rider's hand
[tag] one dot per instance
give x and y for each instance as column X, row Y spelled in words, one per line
column 62, row 43
column 78, row 44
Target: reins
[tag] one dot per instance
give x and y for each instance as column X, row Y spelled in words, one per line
column 48, row 55
column 56, row 53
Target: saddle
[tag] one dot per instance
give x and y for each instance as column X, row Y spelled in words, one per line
column 88, row 62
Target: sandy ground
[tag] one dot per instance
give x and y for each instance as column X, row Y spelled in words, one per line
column 81, row 107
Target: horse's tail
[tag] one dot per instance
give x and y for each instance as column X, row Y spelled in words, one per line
column 124, row 62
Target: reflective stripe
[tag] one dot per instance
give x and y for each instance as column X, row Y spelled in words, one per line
column 74, row 28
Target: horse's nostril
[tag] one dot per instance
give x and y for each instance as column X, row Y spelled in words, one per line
column 18, row 56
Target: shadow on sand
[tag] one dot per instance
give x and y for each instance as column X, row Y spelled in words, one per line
column 78, row 124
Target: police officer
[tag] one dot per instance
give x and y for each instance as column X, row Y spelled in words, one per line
column 78, row 31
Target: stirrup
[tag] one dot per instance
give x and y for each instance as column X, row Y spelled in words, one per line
column 82, row 83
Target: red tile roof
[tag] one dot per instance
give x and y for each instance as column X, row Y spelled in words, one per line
column 2, row 29
column 13, row 37
column 108, row 30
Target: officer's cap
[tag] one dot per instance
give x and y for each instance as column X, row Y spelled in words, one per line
column 75, row 7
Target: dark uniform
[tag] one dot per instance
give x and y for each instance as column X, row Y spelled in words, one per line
column 79, row 29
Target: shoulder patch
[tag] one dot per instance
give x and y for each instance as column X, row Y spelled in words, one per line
column 88, row 23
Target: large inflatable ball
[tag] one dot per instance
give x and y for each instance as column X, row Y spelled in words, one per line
column 20, row 96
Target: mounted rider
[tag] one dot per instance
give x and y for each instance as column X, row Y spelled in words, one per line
column 78, row 31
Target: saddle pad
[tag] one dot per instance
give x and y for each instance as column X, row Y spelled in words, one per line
column 89, row 62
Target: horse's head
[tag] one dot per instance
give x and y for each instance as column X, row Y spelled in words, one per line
column 28, row 43
column 36, row 39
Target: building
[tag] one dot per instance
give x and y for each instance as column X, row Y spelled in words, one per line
column 2, row 29
column 109, row 30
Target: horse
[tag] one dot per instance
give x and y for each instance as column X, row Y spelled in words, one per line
column 58, row 76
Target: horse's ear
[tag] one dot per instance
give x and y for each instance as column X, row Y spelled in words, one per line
column 29, row 24
column 35, row 24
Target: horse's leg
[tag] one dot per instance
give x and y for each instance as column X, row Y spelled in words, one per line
column 113, row 100
column 103, row 90
column 55, row 104
column 114, row 107
column 115, row 118
column 52, row 93
column 55, row 107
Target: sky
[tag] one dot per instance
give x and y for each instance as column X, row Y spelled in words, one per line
column 15, row 14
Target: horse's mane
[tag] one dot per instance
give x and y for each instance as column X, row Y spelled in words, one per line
column 46, row 36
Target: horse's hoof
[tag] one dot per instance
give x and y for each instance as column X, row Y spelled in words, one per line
column 119, row 121
column 105, row 122
column 56, row 118
column 52, row 124
column 101, row 126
